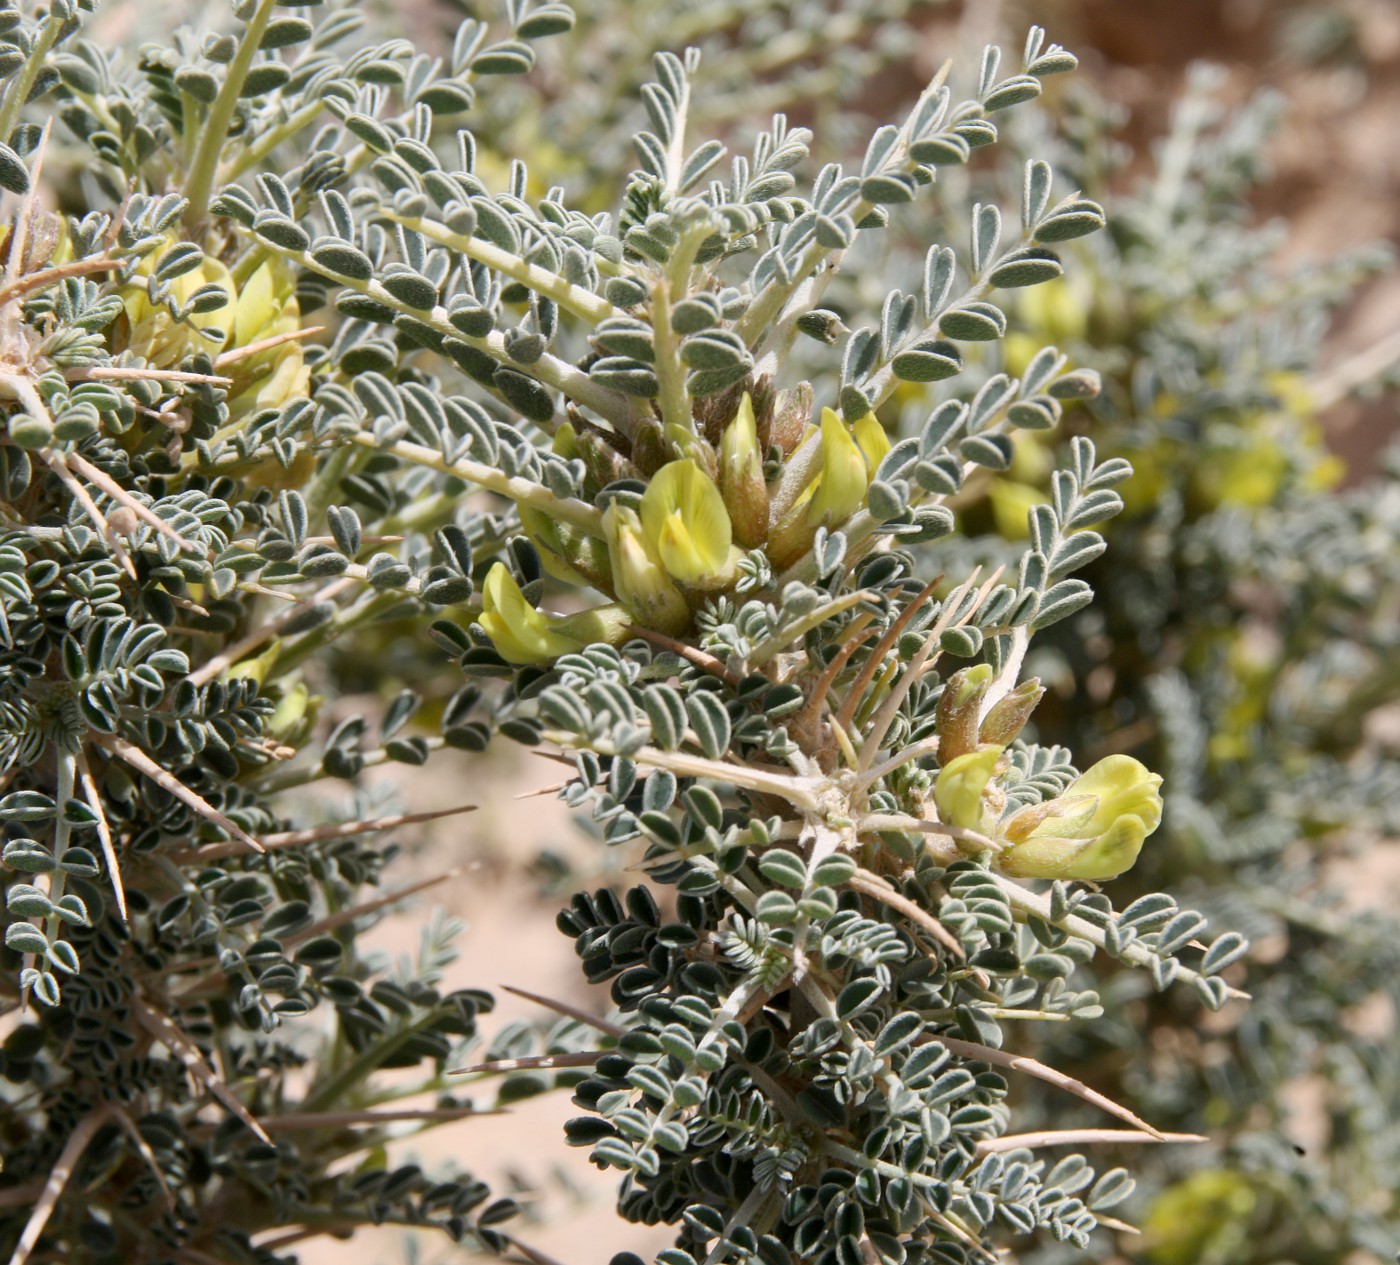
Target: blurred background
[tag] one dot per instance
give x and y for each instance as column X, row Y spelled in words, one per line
column 1246, row 319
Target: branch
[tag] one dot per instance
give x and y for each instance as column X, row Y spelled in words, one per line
column 566, row 508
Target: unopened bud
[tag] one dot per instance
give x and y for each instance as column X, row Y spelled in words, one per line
column 650, row 450
column 958, row 709
column 602, row 461
column 787, row 419
column 1008, row 715
column 741, row 478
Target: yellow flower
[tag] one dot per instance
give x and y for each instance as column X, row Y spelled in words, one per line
column 639, row 581
column 266, row 305
column 686, row 524
column 1094, row 831
column 871, row 440
column 520, row 633
column 839, row 488
column 960, row 786
column 155, row 335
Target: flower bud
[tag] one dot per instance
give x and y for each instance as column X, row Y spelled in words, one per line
column 958, row 708
column 787, row 421
column 565, row 443
column 650, row 448
column 1008, row 715
column 843, row 462
column 1093, row 832
column 686, row 525
column 741, row 477
column 639, row 581
column 601, row 460
column 960, row 786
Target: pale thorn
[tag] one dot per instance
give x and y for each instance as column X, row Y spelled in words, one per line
column 1080, row 1137
column 134, row 373
column 127, row 501
column 263, row 344
column 316, row 834
column 167, row 781
column 56, row 462
column 1041, row 1071
column 529, row 1063
column 104, row 832
column 59, row 1175
column 164, row 1031
column 571, row 1012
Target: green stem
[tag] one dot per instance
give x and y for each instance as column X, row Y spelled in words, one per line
column 582, row 303
column 199, row 185
column 673, row 396
column 337, row 1088
column 272, row 138
column 23, row 83
column 566, row 509
column 674, row 284
column 617, row 408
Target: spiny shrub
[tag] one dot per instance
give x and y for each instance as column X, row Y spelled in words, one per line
column 299, row 367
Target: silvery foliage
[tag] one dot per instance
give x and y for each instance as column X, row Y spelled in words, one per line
column 809, row 1052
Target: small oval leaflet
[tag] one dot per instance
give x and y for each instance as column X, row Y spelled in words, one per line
column 930, row 361
column 1026, row 267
